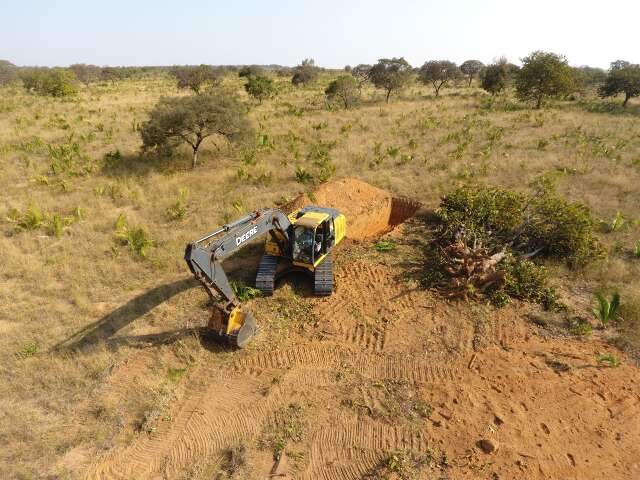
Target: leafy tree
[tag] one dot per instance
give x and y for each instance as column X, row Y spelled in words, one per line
column 8, row 72
column 111, row 74
column 192, row 119
column 590, row 76
column 196, row 78
column 544, row 74
column 345, row 89
column 86, row 73
column 55, row 82
column 390, row 74
column 305, row 73
column 438, row 73
column 260, row 87
column 250, row 70
column 471, row 68
column 624, row 78
column 494, row 77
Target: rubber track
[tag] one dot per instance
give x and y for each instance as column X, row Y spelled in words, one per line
column 323, row 278
column 265, row 278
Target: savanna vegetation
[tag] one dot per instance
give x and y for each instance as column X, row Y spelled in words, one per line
column 535, row 169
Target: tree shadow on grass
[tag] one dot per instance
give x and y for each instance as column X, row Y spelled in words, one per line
column 110, row 324
column 120, row 165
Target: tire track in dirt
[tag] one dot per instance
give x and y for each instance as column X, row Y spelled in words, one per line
column 352, row 449
column 328, row 356
column 219, row 412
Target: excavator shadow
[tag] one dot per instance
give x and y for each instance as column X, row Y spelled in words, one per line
column 104, row 329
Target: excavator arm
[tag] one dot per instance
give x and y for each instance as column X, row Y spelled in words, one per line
column 204, row 258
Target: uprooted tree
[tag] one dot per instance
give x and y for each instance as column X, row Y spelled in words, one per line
column 624, row 78
column 192, row 119
column 486, row 239
column 438, row 73
column 391, row 75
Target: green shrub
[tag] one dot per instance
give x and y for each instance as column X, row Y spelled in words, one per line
column 636, row 249
column 137, row 239
column 617, row 222
column 609, row 359
column 179, row 209
column 527, row 281
column 581, row 328
column 55, row 82
column 303, row 176
column 542, row 223
column 384, row 246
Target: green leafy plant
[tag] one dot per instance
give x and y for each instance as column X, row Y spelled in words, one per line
column 581, row 328
column 636, row 249
column 31, row 219
column 607, row 310
column 609, row 359
column 384, row 246
column 28, row 350
column 137, row 239
column 179, row 209
column 244, row 292
column 303, row 176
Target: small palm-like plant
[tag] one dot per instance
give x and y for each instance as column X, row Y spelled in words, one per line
column 607, row 310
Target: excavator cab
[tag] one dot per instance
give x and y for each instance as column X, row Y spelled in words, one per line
column 313, row 237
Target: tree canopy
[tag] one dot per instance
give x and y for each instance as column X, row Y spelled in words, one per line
column 86, row 73
column 495, row 77
column 438, row 73
column 305, row 73
column 390, row 74
column 544, row 74
column 192, row 119
column 55, row 82
column 345, row 89
column 260, row 87
column 8, row 72
column 196, row 78
column 623, row 78
column 471, row 68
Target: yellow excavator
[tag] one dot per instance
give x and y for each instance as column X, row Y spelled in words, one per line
column 302, row 241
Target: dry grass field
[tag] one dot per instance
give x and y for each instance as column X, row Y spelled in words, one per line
column 102, row 352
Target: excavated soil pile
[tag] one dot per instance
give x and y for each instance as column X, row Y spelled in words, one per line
column 370, row 211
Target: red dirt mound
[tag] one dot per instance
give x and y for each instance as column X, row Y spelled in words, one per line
column 370, row 211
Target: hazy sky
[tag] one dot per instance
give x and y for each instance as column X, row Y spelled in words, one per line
column 333, row 32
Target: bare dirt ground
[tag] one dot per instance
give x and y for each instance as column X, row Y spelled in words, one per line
column 384, row 370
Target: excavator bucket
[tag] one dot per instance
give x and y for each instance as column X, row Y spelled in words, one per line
column 237, row 327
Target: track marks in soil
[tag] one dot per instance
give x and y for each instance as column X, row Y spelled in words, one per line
column 368, row 301
column 351, row 449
